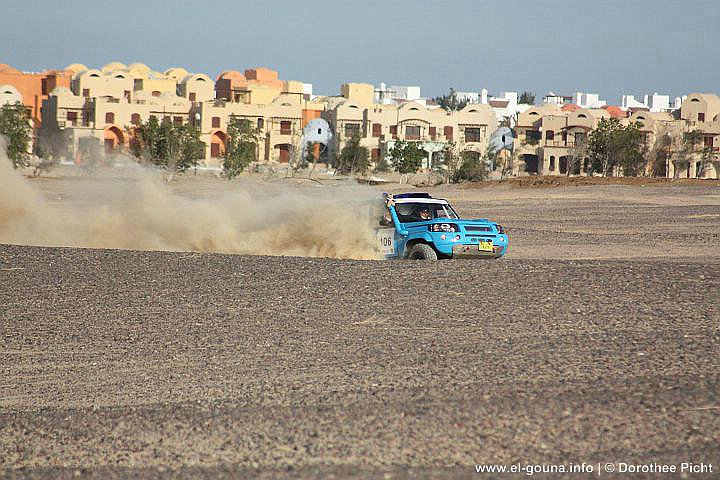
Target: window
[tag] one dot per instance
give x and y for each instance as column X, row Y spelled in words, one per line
column 375, row 154
column 582, row 115
column 448, row 133
column 178, row 120
column 192, row 96
column 473, row 134
column 215, row 122
column 550, row 135
column 155, row 93
column 260, row 123
column 126, row 93
column 579, row 138
column 412, row 132
column 708, row 141
column 393, row 131
column 432, row 131
column 532, row 136
column 135, row 119
column 285, row 127
column 86, row 119
column 552, row 164
column 166, row 119
column 109, row 117
column 413, row 212
column 72, row 118
column 352, row 130
column 376, row 130
column 86, row 92
column 701, row 117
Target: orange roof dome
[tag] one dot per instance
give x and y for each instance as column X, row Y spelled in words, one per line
column 5, row 68
column 615, row 111
column 570, row 107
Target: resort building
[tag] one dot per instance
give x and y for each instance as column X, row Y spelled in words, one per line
column 379, row 126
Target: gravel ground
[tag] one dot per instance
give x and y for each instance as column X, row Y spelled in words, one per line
column 120, row 364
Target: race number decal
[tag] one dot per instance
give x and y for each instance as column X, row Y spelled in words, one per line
column 386, row 240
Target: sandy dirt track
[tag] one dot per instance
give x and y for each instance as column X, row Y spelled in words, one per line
column 119, row 364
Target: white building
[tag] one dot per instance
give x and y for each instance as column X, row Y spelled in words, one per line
column 470, row 97
column 398, row 93
column 506, row 106
column 653, row 103
column 588, row 100
column 555, row 99
column 307, row 89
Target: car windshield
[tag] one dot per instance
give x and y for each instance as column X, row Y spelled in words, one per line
column 420, row 212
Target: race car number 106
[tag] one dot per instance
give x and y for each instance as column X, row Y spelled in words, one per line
column 386, row 240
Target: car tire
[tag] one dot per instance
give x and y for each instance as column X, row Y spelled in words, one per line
column 422, row 251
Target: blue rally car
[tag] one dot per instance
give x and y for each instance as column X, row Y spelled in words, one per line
column 418, row 226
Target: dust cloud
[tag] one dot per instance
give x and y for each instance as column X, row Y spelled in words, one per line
column 137, row 210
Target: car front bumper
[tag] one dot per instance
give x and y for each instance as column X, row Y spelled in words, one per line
column 472, row 251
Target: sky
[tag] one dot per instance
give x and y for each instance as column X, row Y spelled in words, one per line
column 611, row 47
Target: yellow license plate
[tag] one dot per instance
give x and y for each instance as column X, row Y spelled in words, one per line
column 485, row 246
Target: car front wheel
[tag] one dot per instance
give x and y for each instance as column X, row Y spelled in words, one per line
column 421, row 251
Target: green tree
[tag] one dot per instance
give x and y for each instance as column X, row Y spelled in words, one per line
column 187, row 148
column 527, row 98
column 382, row 165
column 473, row 167
column 241, row 149
column 576, row 156
column 15, row 125
column 613, row 144
column 176, row 147
column 450, row 101
column 407, row 157
column 447, row 162
column 353, row 158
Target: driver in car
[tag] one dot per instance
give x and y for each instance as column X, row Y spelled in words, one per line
column 424, row 214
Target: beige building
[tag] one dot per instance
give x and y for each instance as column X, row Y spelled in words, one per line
column 379, row 126
column 700, row 113
column 105, row 104
column 279, row 124
column 546, row 136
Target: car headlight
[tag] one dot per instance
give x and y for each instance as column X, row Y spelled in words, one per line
column 443, row 227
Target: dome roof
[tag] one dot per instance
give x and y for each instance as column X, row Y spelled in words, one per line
column 177, row 73
column 112, row 66
column 139, row 66
column 76, row 68
column 5, row 68
column 196, row 76
column 8, row 89
column 233, row 75
column 91, row 73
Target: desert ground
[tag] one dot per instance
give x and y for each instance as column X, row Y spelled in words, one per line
column 597, row 339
